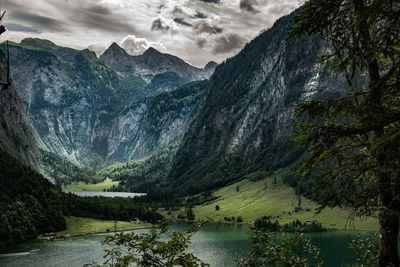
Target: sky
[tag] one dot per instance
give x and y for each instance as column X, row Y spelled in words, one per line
column 197, row 31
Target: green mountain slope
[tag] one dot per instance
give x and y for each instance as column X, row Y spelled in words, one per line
column 247, row 120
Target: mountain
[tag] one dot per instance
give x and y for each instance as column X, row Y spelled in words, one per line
column 87, row 113
column 16, row 135
column 63, row 53
column 29, row 203
column 247, row 120
column 152, row 62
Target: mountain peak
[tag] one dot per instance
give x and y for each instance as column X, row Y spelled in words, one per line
column 115, row 47
column 113, row 50
column 151, row 51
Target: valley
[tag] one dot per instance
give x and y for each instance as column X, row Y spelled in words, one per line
column 95, row 141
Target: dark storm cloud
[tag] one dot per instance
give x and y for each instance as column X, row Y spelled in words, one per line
column 228, row 43
column 182, row 22
column 248, row 5
column 200, row 15
column 40, row 23
column 20, row 28
column 211, row 1
column 159, row 25
column 205, row 27
column 97, row 17
column 99, row 10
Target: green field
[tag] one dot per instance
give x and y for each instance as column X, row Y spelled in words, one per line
column 81, row 186
column 80, row 226
column 264, row 198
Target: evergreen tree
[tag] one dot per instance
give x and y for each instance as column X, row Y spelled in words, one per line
column 353, row 141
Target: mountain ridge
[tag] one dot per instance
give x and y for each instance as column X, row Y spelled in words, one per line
column 151, row 62
column 85, row 112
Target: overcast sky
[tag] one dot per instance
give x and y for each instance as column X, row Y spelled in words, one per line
column 197, row 31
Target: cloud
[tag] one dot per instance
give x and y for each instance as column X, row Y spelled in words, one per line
column 80, row 23
column 20, row 28
column 40, row 23
column 182, row 22
column 248, row 5
column 97, row 17
column 98, row 48
column 201, row 42
column 159, row 25
column 136, row 46
column 177, row 10
column 228, row 43
column 205, row 27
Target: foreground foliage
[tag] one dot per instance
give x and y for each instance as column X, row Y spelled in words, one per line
column 295, row 250
column 353, row 141
column 292, row 250
column 150, row 249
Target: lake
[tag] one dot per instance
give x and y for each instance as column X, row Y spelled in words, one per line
column 107, row 194
column 215, row 244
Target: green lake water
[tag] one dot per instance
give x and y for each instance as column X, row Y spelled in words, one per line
column 215, row 244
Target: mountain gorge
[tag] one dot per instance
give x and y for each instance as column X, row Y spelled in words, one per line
column 93, row 115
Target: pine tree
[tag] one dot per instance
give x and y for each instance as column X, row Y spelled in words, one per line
column 353, row 141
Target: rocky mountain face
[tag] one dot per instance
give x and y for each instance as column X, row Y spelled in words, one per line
column 87, row 113
column 153, row 62
column 16, row 135
column 247, row 121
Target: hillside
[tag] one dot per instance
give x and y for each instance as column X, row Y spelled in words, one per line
column 29, row 205
column 254, row 199
column 247, row 120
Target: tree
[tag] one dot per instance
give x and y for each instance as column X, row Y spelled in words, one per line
column 190, row 214
column 149, row 250
column 288, row 252
column 353, row 141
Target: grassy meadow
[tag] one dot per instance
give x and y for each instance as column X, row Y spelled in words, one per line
column 254, row 199
column 81, row 186
column 80, row 226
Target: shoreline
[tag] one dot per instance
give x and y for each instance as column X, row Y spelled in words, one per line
column 101, row 232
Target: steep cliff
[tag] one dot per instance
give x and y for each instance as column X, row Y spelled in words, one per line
column 16, row 135
column 248, row 117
